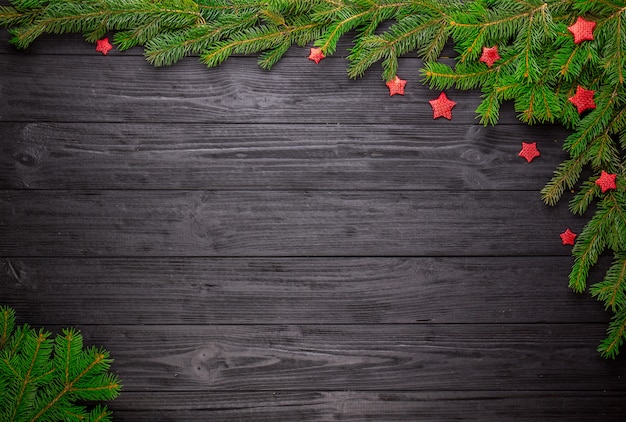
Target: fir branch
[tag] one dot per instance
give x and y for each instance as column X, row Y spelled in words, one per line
column 616, row 333
column 593, row 124
column 497, row 78
column 569, row 60
column 104, row 388
column 84, row 16
column 37, row 353
column 585, row 196
column 481, row 25
column 250, row 41
column 603, row 153
column 168, row 48
column 585, row 257
column 617, row 228
column 537, row 103
column 269, row 58
column 217, row 7
column 606, row 228
column 612, row 30
column 7, row 325
column 440, row 76
column 347, row 16
column 426, row 34
column 612, row 290
column 41, row 379
column 10, row 16
column 489, row 108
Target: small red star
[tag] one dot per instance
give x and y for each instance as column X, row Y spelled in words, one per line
column 582, row 30
column 583, row 99
column 606, row 181
column 442, row 106
column 316, row 55
column 568, row 237
column 103, row 46
column 490, row 55
column 529, row 151
column 396, row 86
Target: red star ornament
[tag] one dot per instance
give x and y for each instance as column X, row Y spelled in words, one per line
column 606, row 181
column 490, row 55
column 316, row 55
column 396, row 86
column 583, row 99
column 582, row 30
column 529, row 151
column 442, row 106
column 568, row 237
column 103, row 46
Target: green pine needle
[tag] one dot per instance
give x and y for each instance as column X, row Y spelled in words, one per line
column 612, row 290
column 587, row 193
column 616, row 333
column 42, row 379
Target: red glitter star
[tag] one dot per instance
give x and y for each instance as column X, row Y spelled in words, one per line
column 316, row 55
column 568, row 237
column 606, row 181
column 583, row 99
column 103, row 46
column 396, row 86
column 490, row 55
column 529, row 151
column 582, row 30
column 442, row 106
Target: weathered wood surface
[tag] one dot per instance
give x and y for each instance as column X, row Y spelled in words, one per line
column 249, row 156
column 387, row 357
column 279, row 223
column 127, row 89
column 296, row 290
column 292, row 245
column 376, row 406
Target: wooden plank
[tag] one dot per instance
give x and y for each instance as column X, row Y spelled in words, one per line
column 281, row 223
column 447, row 357
column 126, row 89
column 296, row 290
column 272, row 156
column 377, row 406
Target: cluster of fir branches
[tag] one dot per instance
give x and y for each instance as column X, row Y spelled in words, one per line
column 539, row 68
column 42, row 379
column 216, row 29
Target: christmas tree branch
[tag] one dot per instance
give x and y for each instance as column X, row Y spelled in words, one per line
column 7, row 321
column 612, row 290
column 609, row 348
column 41, row 379
column 39, row 352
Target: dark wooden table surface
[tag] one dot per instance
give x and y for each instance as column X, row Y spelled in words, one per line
column 292, row 245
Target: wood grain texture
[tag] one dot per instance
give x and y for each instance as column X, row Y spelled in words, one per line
column 329, row 406
column 280, row 223
column 292, row 245
column 296, row 290
column 273, row 156
column 102, row 89
column 395, row 357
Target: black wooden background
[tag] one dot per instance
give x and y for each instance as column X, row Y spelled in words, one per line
column 292, row 245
